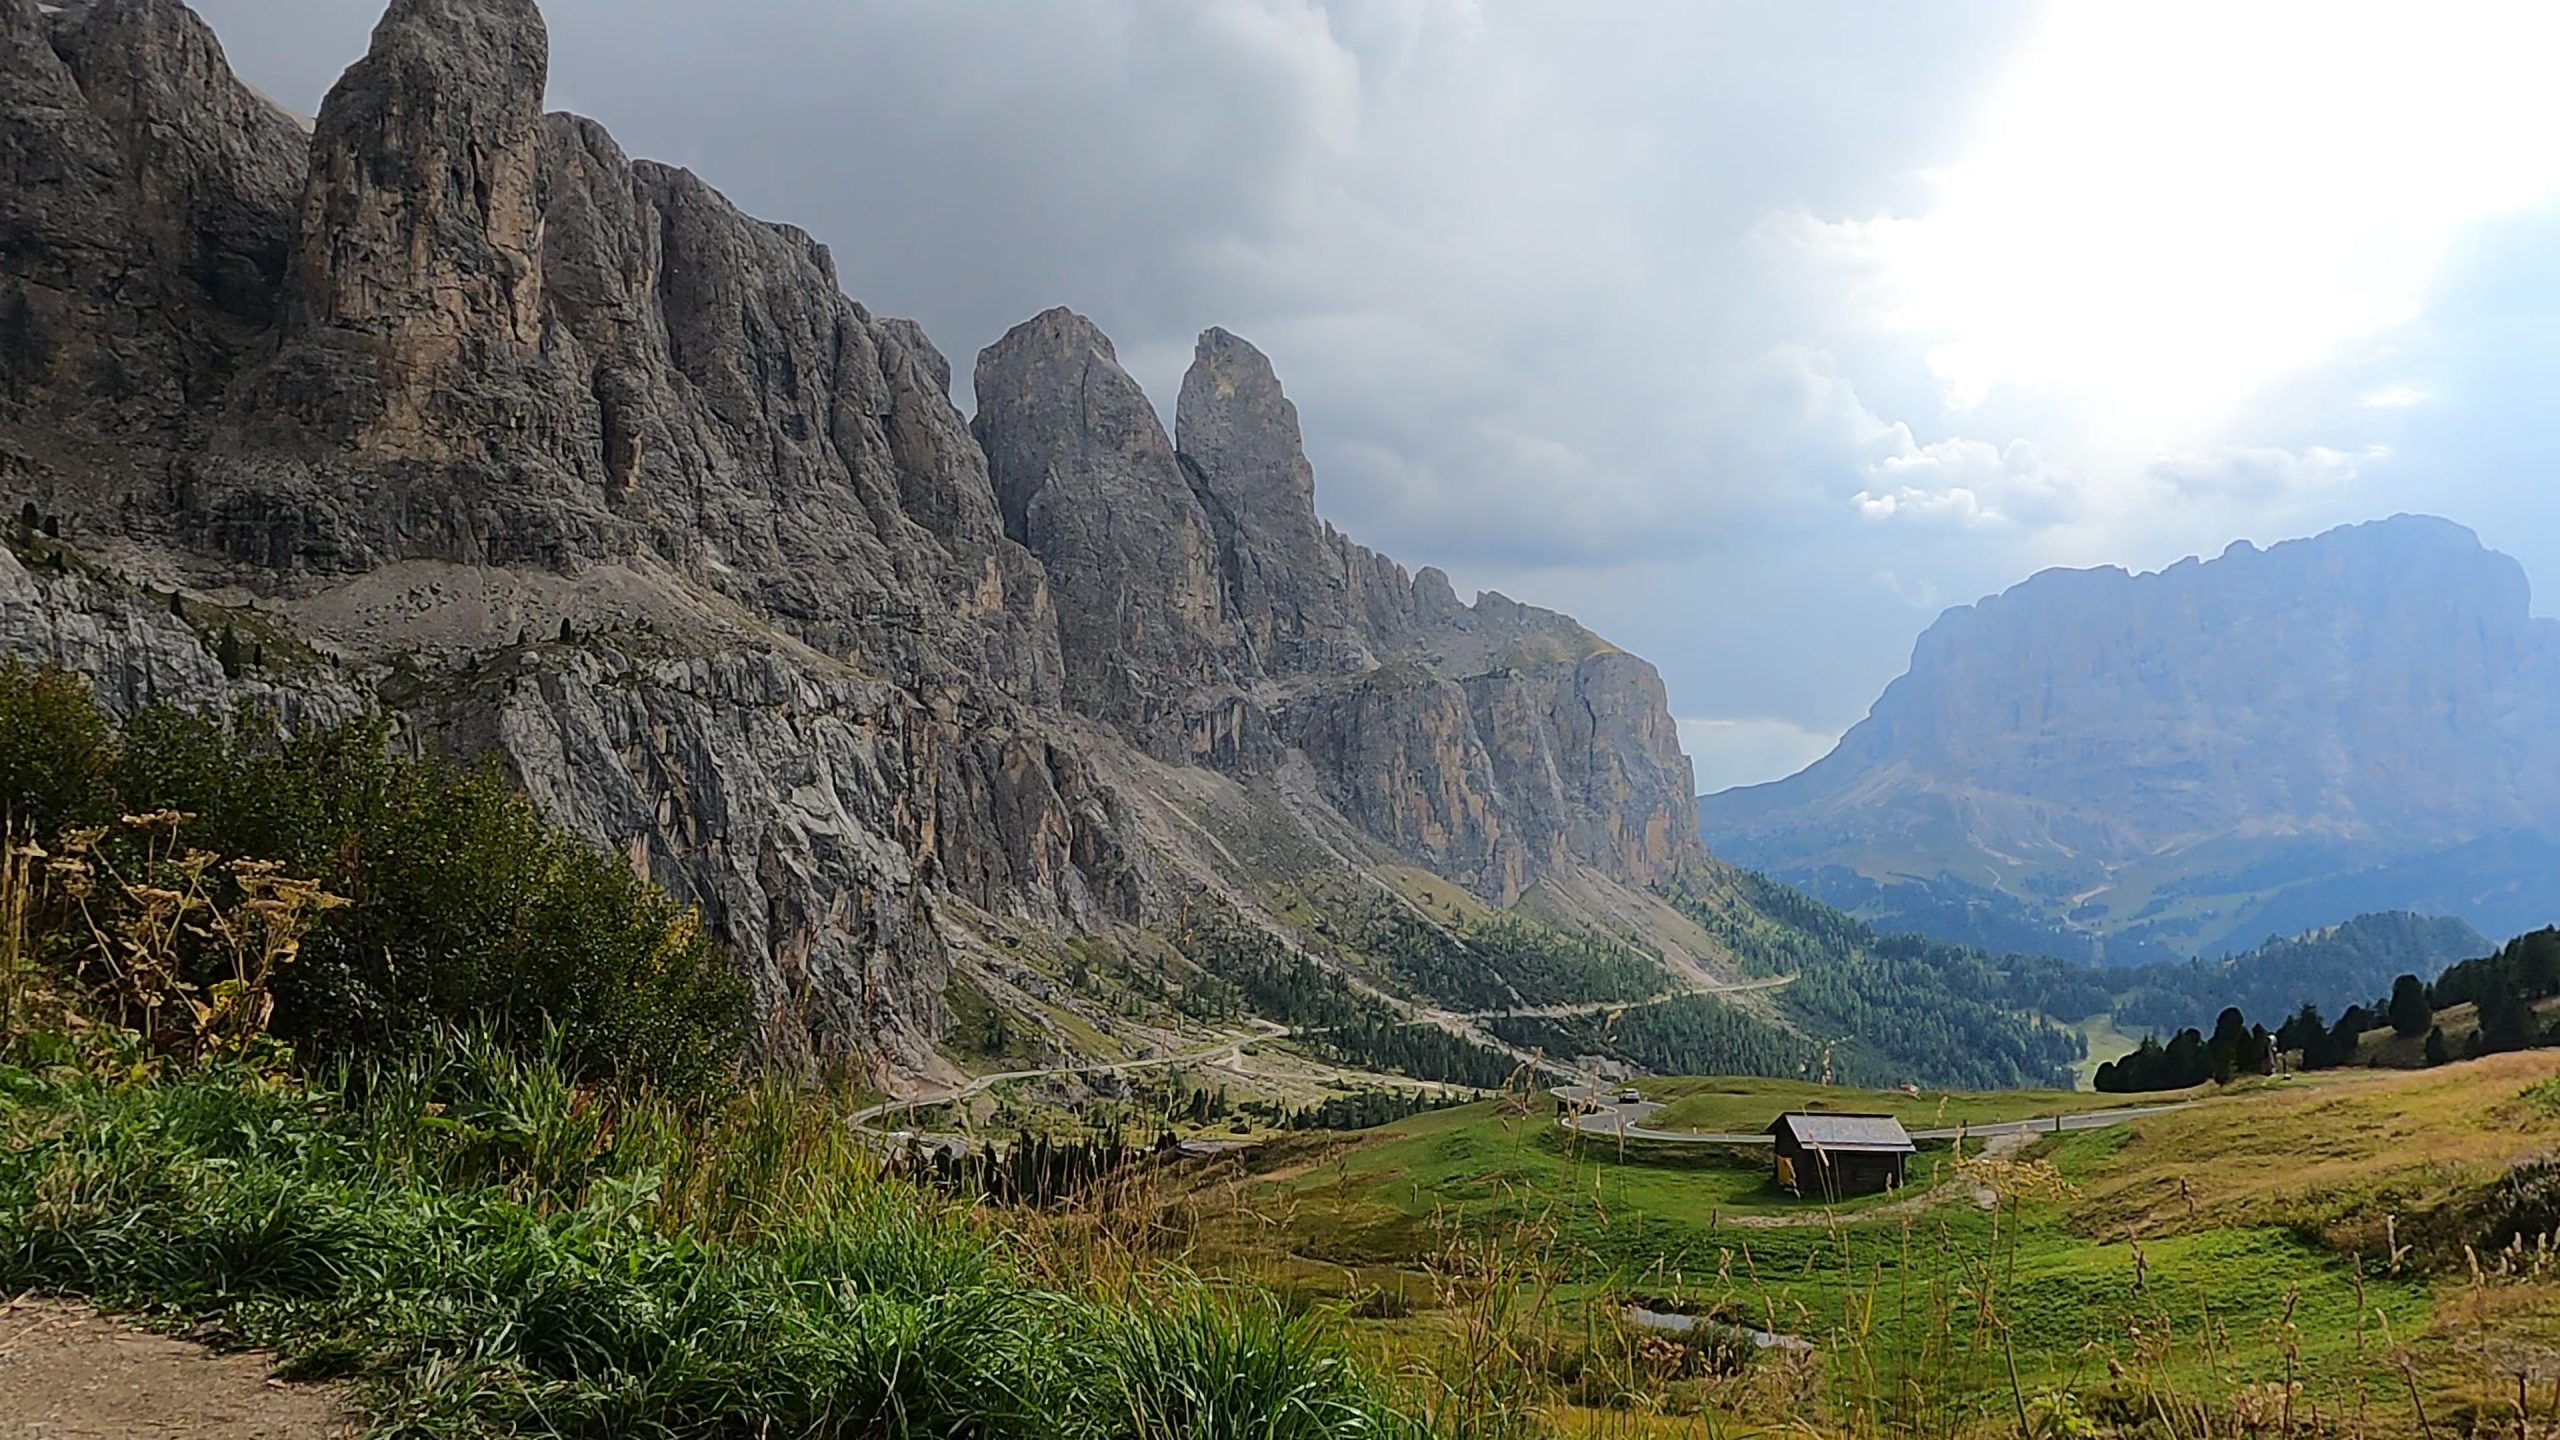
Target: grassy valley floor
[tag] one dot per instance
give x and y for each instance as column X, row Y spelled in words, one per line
column 2289, row 1256
column 480, row 1248
column 1725, row 1105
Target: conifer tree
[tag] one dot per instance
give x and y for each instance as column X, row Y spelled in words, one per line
column 2411, row 1013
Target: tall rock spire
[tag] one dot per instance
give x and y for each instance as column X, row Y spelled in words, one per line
column 1286, row 579
column 1088, row 482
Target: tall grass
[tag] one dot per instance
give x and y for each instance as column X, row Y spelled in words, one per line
column 483, row 1247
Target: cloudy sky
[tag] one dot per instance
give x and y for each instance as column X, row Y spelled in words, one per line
column 1753, row 335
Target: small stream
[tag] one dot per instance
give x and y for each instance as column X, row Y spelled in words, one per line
column 1679, row 1324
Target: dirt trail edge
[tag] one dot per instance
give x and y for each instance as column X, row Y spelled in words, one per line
column 69, row 1373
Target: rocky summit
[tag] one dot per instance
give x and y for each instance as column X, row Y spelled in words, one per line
column 460, row 413
column 2193, row 760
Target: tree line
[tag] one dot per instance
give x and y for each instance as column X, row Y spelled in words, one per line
column 1423, row 1051
column 2503, row 988
column 1359, row 1110
column 1501, row 962
column 1687, row 1035
column 1898, row 1007
column 1242, row 967
column 1034, row 1170
column 2362, row 956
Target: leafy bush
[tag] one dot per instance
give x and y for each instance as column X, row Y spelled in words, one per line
column 56, row 751
column 465, row 907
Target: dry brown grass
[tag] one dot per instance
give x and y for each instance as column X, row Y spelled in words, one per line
column 2337, row 1152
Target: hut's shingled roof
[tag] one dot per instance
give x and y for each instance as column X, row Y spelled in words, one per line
column 1880, row 1134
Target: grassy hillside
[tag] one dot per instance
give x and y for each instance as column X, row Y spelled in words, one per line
column 2107, row 1043
column 1725, row 1105
column 2159, row 1276
column 520, row 1181
column 484, row 1249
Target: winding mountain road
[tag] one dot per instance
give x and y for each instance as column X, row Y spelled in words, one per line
column 1226, row 1050
column 1615, row 1119
column 1230, row 1049
column 1603, row 1007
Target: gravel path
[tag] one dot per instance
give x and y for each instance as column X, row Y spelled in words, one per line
column 69, row 1373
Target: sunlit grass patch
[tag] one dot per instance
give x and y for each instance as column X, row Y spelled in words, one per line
column 1732, row 1105
column 2205, row 1266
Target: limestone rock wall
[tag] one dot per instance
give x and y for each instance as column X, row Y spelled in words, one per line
column 449, row 377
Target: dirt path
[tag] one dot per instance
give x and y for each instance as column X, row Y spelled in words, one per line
column 68, row 1373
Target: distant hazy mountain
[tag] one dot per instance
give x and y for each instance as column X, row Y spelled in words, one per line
column 2191, row 761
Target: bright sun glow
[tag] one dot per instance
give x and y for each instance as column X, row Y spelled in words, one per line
column 2174, row 206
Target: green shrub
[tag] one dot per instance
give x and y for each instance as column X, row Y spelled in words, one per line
column 467, row 908
column 56, row 751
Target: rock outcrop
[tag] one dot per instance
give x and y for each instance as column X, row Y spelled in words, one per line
column 149, row 218
column 2198, row 758
column 563, row 459
column 1288, row 578
column 415, row 261
column 1087, row 482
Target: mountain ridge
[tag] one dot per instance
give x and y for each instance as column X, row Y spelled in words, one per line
column 563, row 460
column 2187, row 760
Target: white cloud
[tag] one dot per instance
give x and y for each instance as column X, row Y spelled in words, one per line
column 2397, row 396
column 1971, row 482
column 1953, row 503
column 1918, row 594
column 1727, row 753
column 2173, row 206
column 2263, row 476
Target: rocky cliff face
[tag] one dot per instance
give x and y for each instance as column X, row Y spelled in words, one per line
column 2260, row 743
column 1087, row 481
column 564, row 459
column 1289, row 579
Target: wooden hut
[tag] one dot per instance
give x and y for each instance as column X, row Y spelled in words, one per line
column 1833, row 1156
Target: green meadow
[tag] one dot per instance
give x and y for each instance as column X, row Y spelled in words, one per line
column 1739, row 1105
column 2295, row 1244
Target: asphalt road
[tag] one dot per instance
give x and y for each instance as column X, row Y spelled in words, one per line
column 1618, row 1120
